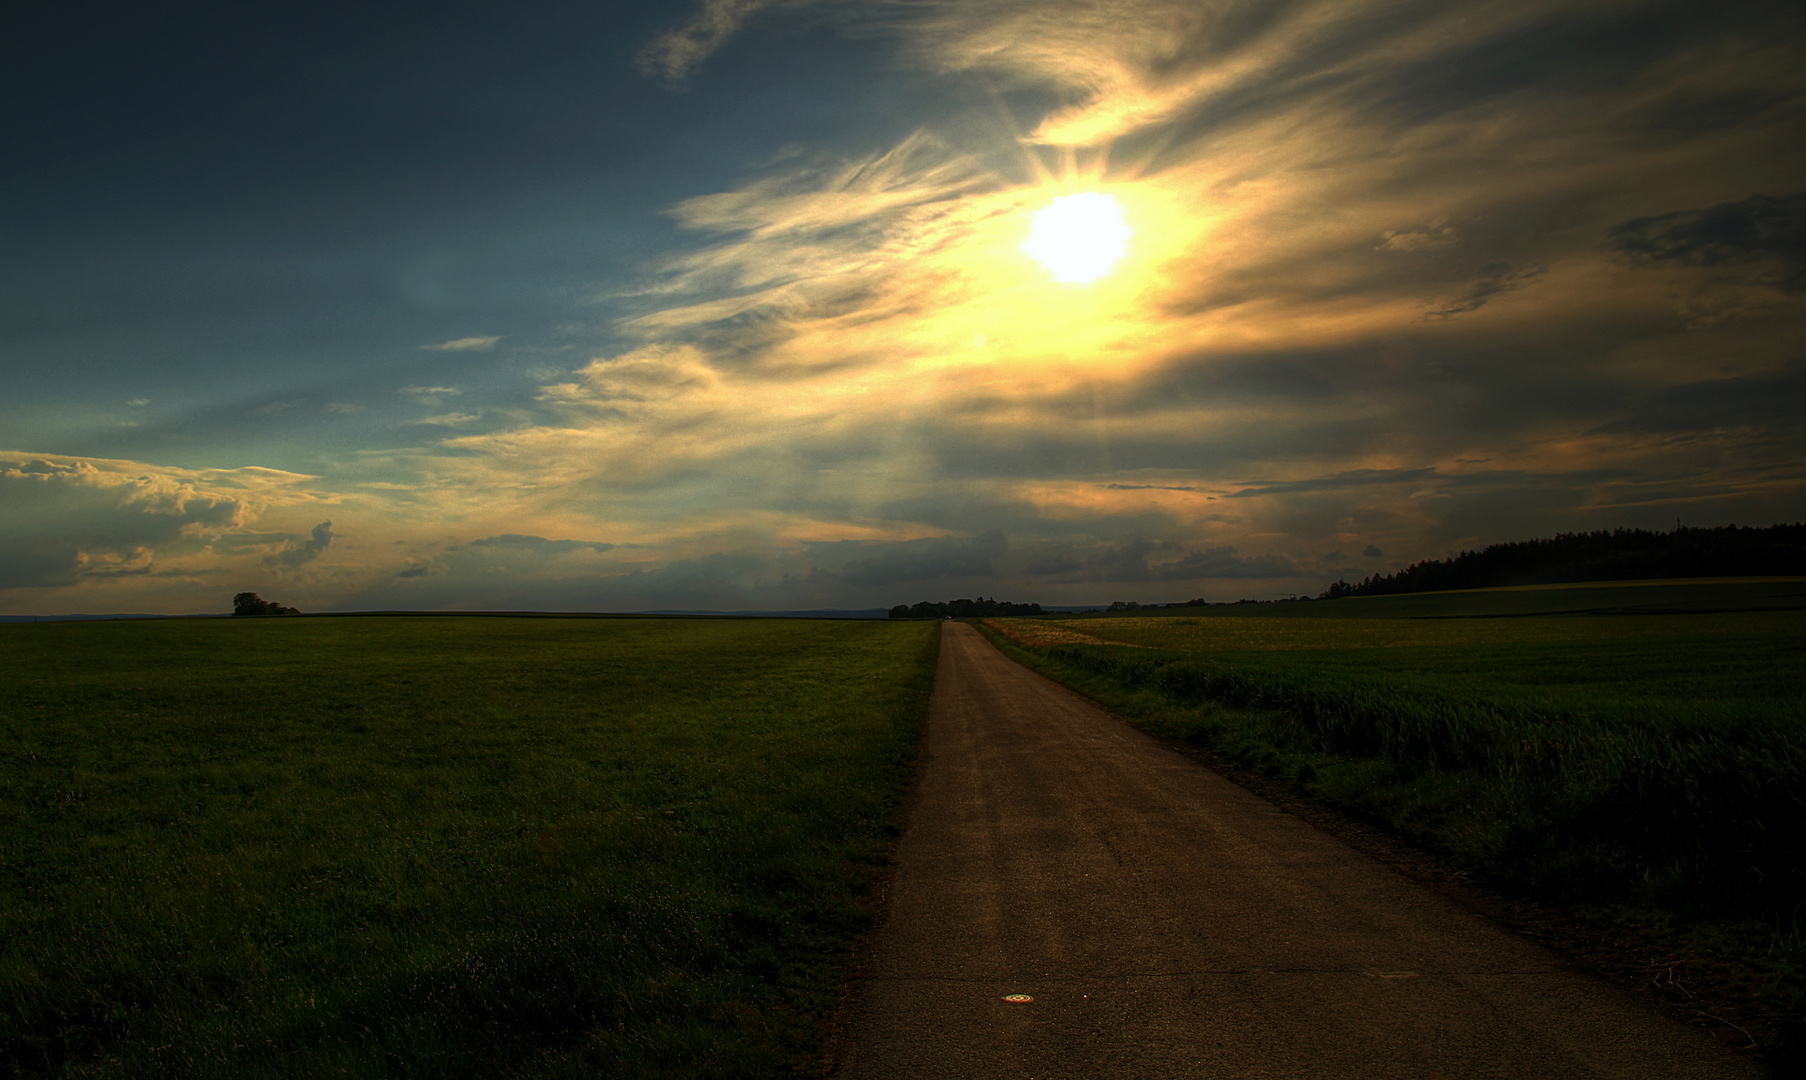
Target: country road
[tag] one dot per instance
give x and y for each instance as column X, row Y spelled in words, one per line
column 1167, row 923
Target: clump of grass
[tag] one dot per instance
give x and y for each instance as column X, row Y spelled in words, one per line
column 1557, row 791
column 445, row 847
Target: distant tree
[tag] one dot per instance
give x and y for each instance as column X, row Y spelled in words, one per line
column 963, row 609
column 250, row 604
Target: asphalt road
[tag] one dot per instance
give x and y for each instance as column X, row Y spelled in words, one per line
column 1167, row 923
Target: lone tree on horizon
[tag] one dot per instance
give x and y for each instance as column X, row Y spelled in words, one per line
column 249, row 603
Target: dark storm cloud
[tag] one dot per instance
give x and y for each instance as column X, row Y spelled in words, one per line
column 1053, row 566
column 1761, row 228
column 301, row 552
column 476, row 566
column 927, row 560
column 1150, row 561
column 1771, row 401
column 727, row 581
column 243, row 541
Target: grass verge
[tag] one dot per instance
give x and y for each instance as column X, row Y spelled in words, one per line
column 442, row 847
column 1651, row 766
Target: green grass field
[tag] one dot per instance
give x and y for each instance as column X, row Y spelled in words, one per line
column 441, row 847
column 1651, row 760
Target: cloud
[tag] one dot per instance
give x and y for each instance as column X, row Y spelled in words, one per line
column 674, row 54
column 1371, row 552
column 1162, row 561
column 1759, row 229
column 1053, row 566
column 1497, row 280
column 928, row 561
column 1340, row 481
column 75, row 520
column 1432, row 236
column 1124, row 68
column 464, row 344
column 299, row 553
column 847, row 385
column 1766, row 402
column 722, row 581
column 538, row 545
column 1738, row 260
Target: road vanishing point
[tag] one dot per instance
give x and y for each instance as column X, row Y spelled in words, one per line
column 1163, row 922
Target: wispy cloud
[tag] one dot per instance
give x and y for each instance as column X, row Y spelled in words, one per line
column 860, row 343
column 464, row 344
column 1437, row 234
column 1495, row 280
column 677, row 52
column 428, row 394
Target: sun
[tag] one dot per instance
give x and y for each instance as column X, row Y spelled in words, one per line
column 1078, row 238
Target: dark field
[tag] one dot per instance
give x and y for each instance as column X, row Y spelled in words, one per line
column 1682, row 596
column 1650, row 760
column 441, row 847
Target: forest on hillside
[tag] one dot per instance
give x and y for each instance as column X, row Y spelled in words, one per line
column 1618, row 555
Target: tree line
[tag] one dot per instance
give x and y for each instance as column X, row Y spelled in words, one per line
column 962, row 609
column 1618, row 555
column 250, row 604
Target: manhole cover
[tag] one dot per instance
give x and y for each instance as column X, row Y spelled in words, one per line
column 1017, row 999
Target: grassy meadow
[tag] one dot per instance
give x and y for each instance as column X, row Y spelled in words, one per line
column 1654, row 760
column 441, row 846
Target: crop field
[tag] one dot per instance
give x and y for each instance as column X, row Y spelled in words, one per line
column 1658, row 760
column 1681, row 596
column 441, row 846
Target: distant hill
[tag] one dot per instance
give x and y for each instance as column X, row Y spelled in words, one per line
column 1619, row 555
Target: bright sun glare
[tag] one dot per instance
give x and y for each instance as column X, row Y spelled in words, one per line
column 1078, row 237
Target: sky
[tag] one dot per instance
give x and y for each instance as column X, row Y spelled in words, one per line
column 738, row 305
